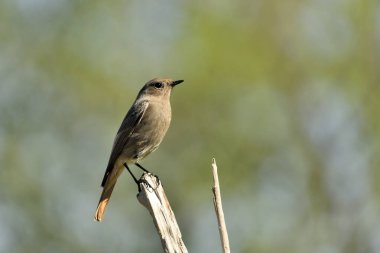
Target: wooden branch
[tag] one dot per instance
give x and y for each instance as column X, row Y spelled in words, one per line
column 219, row 210
column 153, row 198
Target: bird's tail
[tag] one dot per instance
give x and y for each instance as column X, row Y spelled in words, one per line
column 109, row 181
column 104, row 198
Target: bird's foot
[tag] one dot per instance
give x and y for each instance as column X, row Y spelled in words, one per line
column 157, row 179
column 143, row 181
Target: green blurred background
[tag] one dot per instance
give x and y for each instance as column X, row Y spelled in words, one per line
column 284, row 94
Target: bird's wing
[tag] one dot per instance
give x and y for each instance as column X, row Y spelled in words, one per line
column 131, row 120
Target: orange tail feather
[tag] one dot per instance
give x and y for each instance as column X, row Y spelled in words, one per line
column 106, row 194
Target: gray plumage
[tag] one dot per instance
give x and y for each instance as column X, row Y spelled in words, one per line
column 140, row 133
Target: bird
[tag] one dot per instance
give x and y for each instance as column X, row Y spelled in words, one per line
column 141, row 132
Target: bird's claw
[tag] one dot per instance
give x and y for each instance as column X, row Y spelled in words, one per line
column 143, row 181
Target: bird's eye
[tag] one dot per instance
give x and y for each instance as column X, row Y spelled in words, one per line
column 158, row 85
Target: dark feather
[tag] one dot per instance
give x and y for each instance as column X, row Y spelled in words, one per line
column 131, row 120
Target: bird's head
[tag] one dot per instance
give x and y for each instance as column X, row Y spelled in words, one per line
column 158, row 87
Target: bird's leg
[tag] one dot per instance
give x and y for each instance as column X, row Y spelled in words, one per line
column 133, row 176
column 141, row 167
column 138, row 181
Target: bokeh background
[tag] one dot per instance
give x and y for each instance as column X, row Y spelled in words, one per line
column 284, row 94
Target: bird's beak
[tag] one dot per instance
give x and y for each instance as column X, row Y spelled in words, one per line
column 174, row 83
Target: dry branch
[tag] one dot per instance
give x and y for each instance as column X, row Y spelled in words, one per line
column 219, row 210
column 152, row 197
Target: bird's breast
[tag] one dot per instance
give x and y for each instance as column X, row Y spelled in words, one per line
column 152, row 128
column 156, row 118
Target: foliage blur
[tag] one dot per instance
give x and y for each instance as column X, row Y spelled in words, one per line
column 284, row 94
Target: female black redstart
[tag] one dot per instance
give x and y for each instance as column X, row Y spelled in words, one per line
column 140, row 133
